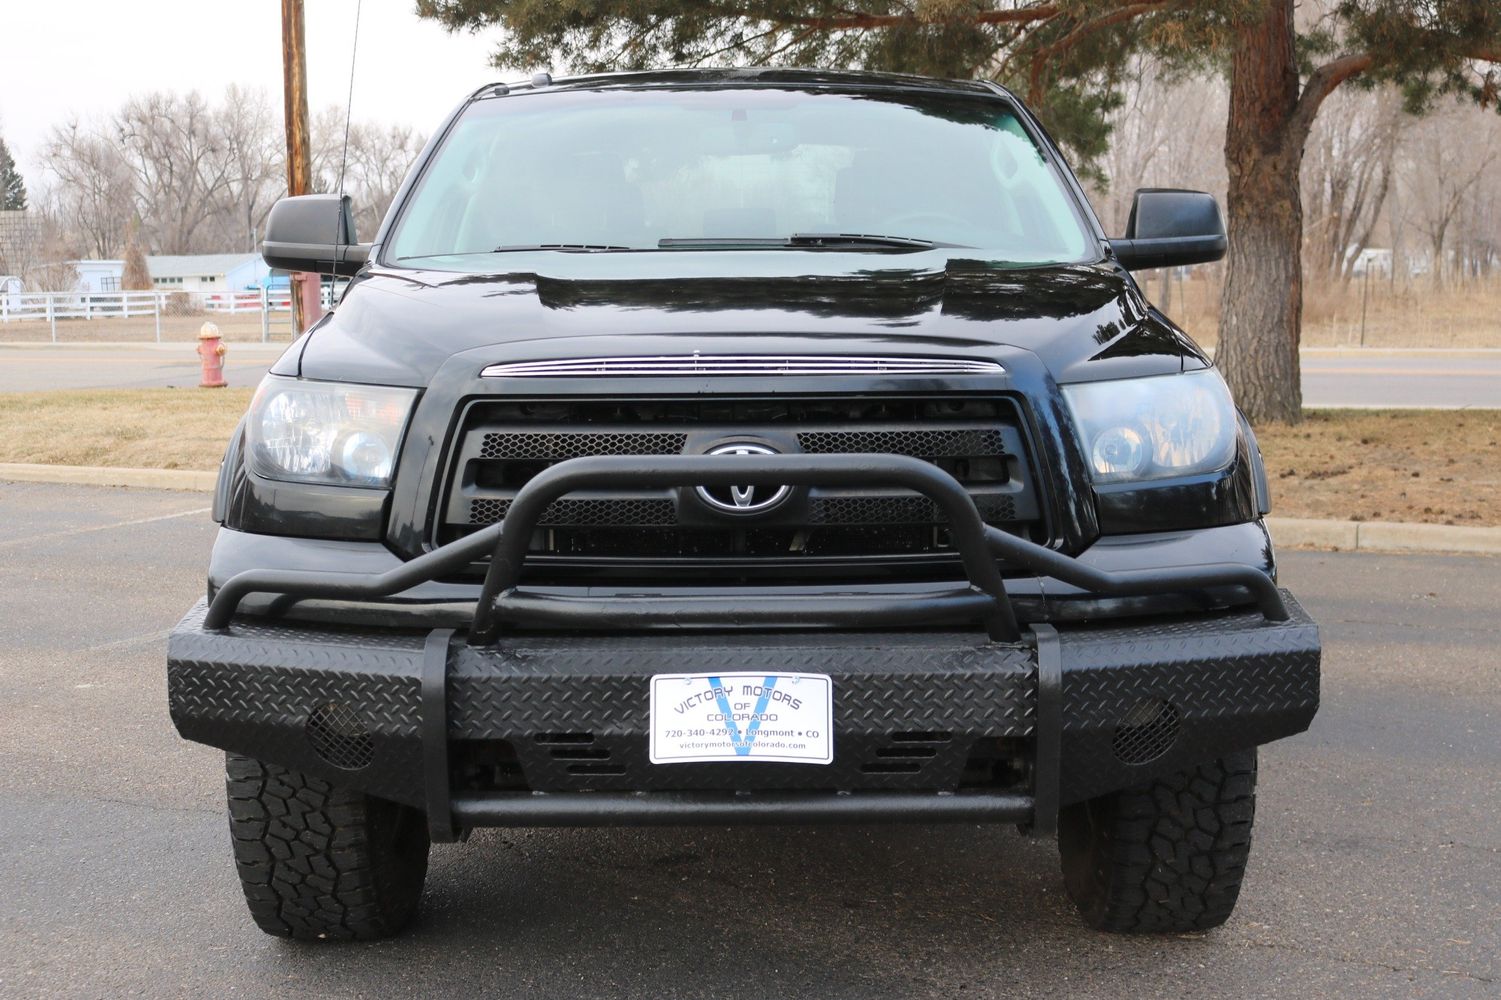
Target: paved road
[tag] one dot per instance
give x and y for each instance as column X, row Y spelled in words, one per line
column 1330, row 378
column 132, row 366
column 1376, row 870
column 1395, row 378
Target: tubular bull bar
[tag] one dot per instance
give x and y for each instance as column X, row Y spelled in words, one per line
column 983, row 601
column 245, row 688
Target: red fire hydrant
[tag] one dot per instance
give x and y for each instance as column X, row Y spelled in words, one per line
column 211, row 352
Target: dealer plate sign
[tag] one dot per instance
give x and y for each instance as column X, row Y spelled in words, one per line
column 787, row 718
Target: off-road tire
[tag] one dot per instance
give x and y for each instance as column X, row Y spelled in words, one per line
column 1165, row 857
column 321, row 862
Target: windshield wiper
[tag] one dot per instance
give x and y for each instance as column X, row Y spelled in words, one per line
column 720, row 242
column 521, row 248
column 815, row 240
column 563, row 247
column 861, row 239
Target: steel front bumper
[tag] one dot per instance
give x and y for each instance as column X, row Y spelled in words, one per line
column 501, row 726
column 1088, row 710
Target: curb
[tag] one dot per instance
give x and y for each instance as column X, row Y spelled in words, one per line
column 85, row 475
column 1382, row 536
column 1290, row 532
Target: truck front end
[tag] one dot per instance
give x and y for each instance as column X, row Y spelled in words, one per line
column 644, row 502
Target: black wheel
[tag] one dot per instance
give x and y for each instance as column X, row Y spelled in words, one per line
column 1165, row 857
column 319, row 862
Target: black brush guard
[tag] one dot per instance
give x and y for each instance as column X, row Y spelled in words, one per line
column 503, row 604
column 983, row 601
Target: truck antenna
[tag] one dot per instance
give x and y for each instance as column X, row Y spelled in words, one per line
column 354, row 49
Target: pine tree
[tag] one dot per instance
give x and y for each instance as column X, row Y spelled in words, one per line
column 12, row 188
column 1064, row 57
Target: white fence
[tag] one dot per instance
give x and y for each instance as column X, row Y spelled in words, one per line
column 50, row 307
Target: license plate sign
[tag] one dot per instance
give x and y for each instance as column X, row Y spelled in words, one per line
column 786, row 718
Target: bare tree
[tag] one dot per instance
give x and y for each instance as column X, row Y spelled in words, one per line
column 374, row 165
column 1347, row 176
column 1447, row 158
column 249, row 130
column 1166, row 132
column 1475, row 236
column 94, row 190
column 1481, row 248
column 202, row 177
column 327, row 148
column 180, row 160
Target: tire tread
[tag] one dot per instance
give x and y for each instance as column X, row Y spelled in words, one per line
column 1168, row 856
column 313, row 859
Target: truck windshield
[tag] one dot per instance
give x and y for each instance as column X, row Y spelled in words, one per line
column 724, row 168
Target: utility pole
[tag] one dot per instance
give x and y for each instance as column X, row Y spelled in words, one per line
column 306, row 291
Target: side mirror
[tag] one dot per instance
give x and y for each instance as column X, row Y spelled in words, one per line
column 1170, row 228
column 313, row 232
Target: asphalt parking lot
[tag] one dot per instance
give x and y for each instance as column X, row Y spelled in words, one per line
column 1376, row 870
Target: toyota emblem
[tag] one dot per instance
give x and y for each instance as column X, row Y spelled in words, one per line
column 742, row 499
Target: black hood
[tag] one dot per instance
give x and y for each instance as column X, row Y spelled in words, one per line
column 1082, row 321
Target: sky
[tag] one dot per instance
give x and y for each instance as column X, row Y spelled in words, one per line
column 60, row 58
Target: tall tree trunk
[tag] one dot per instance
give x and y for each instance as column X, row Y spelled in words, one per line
column 1262, row 302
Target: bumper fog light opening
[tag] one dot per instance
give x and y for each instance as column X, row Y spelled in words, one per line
column 339, row 737
column 1147, row 731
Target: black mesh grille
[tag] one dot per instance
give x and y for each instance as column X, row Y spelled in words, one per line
column 505, row 442
column 584, row 512
column 1148, row 731
column 340, row 737
column 940, row 443
column 901, row 510
column 872, row 510
column 556, row 446
column 997, row 509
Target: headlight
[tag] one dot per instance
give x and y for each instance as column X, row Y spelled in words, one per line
column 326, row 432
column 1155, row 428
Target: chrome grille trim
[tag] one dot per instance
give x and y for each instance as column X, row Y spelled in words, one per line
column 740, row 364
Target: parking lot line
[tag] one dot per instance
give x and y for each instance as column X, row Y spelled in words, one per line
column 33, row 539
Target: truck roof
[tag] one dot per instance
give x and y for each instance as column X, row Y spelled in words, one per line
column 745, row 76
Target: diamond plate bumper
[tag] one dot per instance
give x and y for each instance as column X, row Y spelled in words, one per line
column 551, row 730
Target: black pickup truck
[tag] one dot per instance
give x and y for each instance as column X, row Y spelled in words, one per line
column 741, row 447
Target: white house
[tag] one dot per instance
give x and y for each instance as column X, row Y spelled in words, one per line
column 211, row 272
column 98, row 275
column 208, row 272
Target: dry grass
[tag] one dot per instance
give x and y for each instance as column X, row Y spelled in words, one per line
column 239, row 327
column 122, row 428
column 1434, row 466
column 1415, row 314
